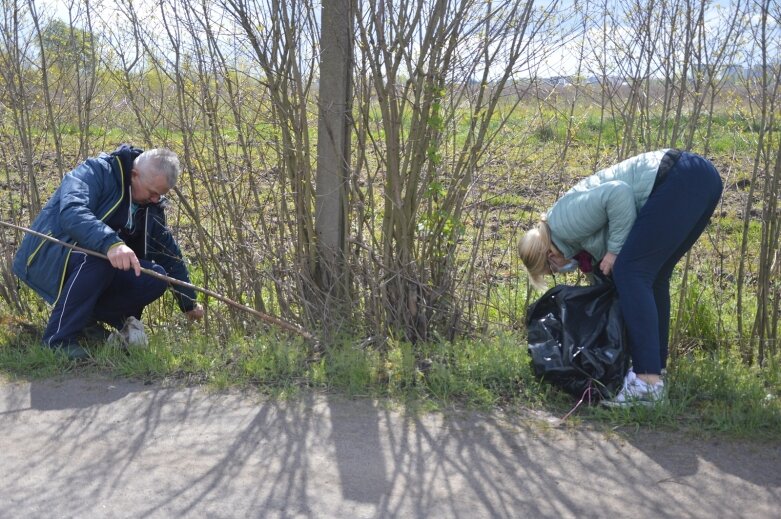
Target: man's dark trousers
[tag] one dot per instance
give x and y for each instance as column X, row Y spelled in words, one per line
column 94, row 290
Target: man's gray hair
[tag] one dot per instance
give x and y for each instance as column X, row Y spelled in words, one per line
column 160, row 161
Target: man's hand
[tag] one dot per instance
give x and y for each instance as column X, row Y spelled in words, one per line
column 606, row 265
column 122, row 257
column 196, row 314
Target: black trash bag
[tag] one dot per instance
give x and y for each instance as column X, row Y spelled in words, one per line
column 577, row 340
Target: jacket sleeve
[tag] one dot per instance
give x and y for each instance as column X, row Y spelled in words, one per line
column 163, row 249
column 621, row 214
column 80, row 193
column 584, row 213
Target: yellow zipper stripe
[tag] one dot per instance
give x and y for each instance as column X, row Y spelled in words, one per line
column 38, row 248
column 62, row 276
column 121, row 190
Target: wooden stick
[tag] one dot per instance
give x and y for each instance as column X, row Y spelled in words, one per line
column 149, row 272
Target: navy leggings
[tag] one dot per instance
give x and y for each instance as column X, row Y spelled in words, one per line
column 667, row 226
column 96, row 291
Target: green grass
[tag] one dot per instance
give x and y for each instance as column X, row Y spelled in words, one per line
column 712, row 394
column 709, row 393
column 32, row 362
column 728, row 396
column 699, row 321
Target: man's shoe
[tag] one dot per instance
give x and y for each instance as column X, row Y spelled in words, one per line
column 132, row 335
column 71, row 349
column 95, row 332
column 637, row 392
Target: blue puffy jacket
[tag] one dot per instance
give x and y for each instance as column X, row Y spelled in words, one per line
column 90, row 208
column 597, row 214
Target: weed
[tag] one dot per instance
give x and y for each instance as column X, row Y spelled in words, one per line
column 351, row 369
column 545, row 132
column 33, row 362
column 726, row 395
column 709, row 392
column 700, row 323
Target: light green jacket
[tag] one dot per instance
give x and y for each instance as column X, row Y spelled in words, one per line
column 597, row 214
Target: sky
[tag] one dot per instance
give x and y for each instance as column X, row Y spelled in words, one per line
column 559, row 55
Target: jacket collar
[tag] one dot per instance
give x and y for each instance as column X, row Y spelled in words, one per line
column 126, row 154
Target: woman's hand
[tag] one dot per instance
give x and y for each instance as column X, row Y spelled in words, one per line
column 606, row 265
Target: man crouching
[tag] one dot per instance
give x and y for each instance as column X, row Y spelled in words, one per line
column 110, row 204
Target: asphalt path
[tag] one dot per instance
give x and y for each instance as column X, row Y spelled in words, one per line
column 108, row 448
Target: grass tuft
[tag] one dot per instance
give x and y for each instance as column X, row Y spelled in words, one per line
column 709, row 393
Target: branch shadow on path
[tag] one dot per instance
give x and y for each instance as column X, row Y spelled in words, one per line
column 754, row 462
column 104, row 448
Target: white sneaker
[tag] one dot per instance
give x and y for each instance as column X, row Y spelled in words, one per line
column 132, row 335
column 636, row 392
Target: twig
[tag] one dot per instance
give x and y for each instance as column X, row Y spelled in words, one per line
column 149, row 272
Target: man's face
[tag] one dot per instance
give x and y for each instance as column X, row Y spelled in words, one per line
column 147, row 187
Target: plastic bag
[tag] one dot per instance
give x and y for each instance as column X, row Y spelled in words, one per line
column 577, row 339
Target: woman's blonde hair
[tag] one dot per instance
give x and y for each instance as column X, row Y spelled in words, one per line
column 533, row 249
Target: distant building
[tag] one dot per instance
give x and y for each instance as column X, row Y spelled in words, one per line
column 736, row 72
